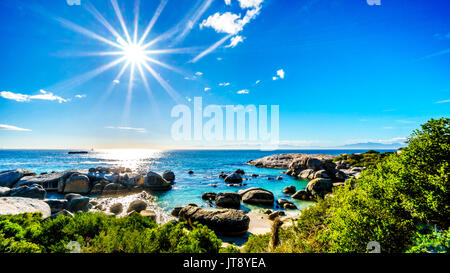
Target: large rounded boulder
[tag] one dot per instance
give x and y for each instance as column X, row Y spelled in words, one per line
column 11, row 177
column 228, row 200
column 19, row 205
column 227, row 222
column 319, row 187
column 169, row 176
column 234, row 178
column 257, row 196
column 77, row 183
column 34, row 191
column 156, row 182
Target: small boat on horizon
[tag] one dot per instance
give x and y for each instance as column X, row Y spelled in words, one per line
column 78, row 152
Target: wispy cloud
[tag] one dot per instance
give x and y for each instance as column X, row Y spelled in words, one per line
column 245, row 91
column 13, row 128
column 405, row 121
column 43, row 95
column 235, row 41
column 436, row 54
column 381, row 141
column 139, row 130
column 257, row 82
column 210, row 49
column 199, row 74
column 80, row 96
column 443, row 101
column 207, row 89
column 224, row 84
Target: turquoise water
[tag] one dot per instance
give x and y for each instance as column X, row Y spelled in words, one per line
column 206, row 165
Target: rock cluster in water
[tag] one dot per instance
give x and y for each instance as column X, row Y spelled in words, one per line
column 323, row 173
column 21, row 190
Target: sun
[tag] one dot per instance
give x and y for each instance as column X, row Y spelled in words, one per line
column 134, row 53
column 133, row 49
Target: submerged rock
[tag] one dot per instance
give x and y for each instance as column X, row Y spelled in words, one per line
column 233, row 178
column 290, row 190
column 11, row 177
column 19, row 205
column 228, row 222
column 257, row 196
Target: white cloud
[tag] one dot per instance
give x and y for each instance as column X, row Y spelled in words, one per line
column 280, row 75
column 258, row 82
column 43, row 95
column 224, row 84
column 80, row 96
column 245, row 4
column 219, row 59
column 199, row 74
column 245, row 91
column 224, row 23
column 235, row 41
column 443, row 101
column 207, row 89
column 14, row 96
column 138, row 130
column 227, row 2
column 228, row 22
column 116, row 81
column 13, row 128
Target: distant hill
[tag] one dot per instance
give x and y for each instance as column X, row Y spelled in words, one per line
column 374, row 145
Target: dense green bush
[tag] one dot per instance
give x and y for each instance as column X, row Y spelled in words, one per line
column 367, row 159
column 99, row 233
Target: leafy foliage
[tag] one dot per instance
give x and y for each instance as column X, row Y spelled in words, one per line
column 367, row 159
column 99, row 233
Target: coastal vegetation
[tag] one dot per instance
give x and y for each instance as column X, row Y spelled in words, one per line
column 402, row 202
column 100, row 233
column 367, row 159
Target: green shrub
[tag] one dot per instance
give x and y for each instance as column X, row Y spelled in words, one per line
column 99, row 233
column 436, row 242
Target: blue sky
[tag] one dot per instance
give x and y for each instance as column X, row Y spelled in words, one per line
column 341, row 71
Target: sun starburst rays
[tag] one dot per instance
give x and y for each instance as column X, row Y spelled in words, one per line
column 134, row 51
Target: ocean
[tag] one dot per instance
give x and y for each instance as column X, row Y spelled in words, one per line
column 206, row 164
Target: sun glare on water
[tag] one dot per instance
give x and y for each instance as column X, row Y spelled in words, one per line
column 135, row 159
